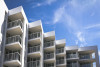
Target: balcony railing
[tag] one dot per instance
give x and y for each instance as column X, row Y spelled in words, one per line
column 33, row 64
column 33, row 49
column 48, row 44
column 49, row 65
column 34, row 35
column 85, row 65
column 12, row 56
column 60, row 50
column 60, row 61
column 71, row 65
column 15, row 23
column 13, row 39
column 72, row 56
column 49, row 56
column 85, row 56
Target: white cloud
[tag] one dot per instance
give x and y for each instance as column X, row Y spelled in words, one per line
column 92, row 26
column 76, row 42
column 58, row 14
column 31, row 19
column 45, row 2
column 80, row 37
column 50, row 1
column 62, row 15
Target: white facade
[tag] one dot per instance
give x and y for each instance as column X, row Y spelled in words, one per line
column 25, row 44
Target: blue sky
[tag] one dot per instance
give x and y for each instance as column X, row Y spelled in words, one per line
column 78, row 21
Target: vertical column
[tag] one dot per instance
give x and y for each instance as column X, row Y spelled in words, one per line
column 3, row 31
column 23, row 43
column 42, row 53
column 97, row 57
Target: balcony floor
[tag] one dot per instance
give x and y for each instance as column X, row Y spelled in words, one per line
column 13, row 46
column 86, row 60
column 49, row 60
column 34, row 54
column 50, row 48
column 35, row 41
column 61, row 54
column 12, row 63
column 15, row 30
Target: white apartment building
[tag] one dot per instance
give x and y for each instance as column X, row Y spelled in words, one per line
column 25, row 44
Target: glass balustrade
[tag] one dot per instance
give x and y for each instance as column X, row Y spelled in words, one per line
column 13, row 39
column 85, row 65
column 48, row 44
column 49, row 65
column 33, row 62
column 48, row 55
column 12, row 56
column 72, row 65
column 34, row 35
column 34, row 49
column 72, row 56
column 60, row 61
column 59, row 50
column 86, row 56
column 15, row 23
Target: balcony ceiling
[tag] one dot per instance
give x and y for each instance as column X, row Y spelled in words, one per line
column 15, row 30
column 16, row 16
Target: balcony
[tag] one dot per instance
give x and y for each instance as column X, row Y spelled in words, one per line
column 49, row 57
column 85, row 65
column 49, row 45
column 12, row 59
column 13, row 42
column 48, row 36
column 34, row 51
column 33, row 64
column 60, row 52
column 15, row 27
column 60, row 43
column 60, row 62
column 34, row 38
column 71, row 65
column 49, row 65
column 72, row 56
column 86, row 57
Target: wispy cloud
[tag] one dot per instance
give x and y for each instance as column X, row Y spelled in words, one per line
column 61, row 15
column 43, row 3
column 58, row 14
column 93, row 26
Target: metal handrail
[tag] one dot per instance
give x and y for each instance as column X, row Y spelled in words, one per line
column 72, row 56
column 61, row 61
column 86, row 65
column 84, row 56
column 60, row 50
column 34, row 35
column 15, row 23
column 49, row 56
column 12, row 56
column 48, row 44
column 33, row 49
column 33, row 64
column 49, row 65
column 71, row 65
column 13, row 39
